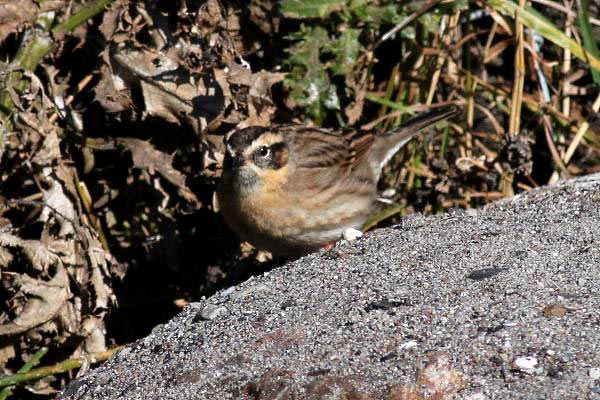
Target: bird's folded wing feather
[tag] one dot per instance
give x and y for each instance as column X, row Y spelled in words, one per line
column 320, row 148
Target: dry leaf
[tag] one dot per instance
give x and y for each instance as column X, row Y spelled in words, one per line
column 16, row 15
column 145, row 156
column 44, row 301
column 58, row 206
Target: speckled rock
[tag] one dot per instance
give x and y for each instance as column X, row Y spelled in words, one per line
column 498, row 303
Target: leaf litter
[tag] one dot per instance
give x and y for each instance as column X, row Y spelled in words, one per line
column 111, row 147
column 66, row 211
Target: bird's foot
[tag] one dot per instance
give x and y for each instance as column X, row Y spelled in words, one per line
column 348, row 235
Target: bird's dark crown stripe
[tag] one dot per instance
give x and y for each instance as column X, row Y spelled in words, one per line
column 245, row 137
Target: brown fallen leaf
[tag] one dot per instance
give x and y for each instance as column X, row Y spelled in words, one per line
column 168, row 90
column 110, row 95
column 259, row 103
column 44, row 299
column 16, row 15
column 145, row 156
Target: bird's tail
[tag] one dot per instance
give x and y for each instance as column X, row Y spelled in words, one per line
column 390, row 142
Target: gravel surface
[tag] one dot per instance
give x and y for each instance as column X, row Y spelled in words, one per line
column 499, row 303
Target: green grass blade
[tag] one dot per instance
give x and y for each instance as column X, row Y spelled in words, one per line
column 35, row 360
column 534, row 20
column 302, row 9
column 382, row 215
column 589, row 43
column 388, row 103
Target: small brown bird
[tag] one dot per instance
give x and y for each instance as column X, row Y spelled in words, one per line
column 292, row 189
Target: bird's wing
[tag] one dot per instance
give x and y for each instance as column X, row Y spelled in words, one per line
column 323, row 149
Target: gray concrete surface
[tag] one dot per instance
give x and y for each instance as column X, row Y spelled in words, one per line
column 499, row 303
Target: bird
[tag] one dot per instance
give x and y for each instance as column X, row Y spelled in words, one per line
column 293, row 189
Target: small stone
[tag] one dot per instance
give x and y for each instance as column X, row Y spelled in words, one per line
column 496, row 359
column 477, row 396
column 503, row 356
column 471, row 212
column 387, row 305
column 554, row 310
column 228, row 291
column 525, row 364
column 351, row 234
column 249, row 290
column 485, row 273
column 594, row 373
column 287, row 304
column 210, row 312
column 408, row 345
column 555, row 371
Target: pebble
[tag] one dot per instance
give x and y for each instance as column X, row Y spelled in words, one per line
column 477, row 396
column 485, row 273
column 554, row 310
column 211, row 312
column 594, row 373
column 351, row 234
column 408, row 345
column 525, row 364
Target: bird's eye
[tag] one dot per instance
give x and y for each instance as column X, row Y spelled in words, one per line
column 264, row 151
